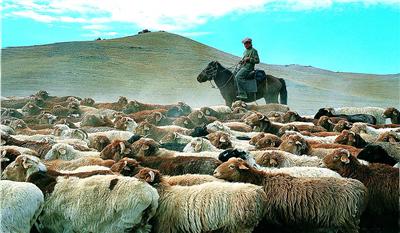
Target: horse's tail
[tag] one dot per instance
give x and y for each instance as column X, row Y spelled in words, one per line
column 283, row 92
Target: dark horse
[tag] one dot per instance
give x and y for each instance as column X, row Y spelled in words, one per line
column 268, row 89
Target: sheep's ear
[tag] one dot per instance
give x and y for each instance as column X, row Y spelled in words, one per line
column 200, row 115
column 185, row 122
column 242, row 166
column 221, row 139
column 146, row 127
column 145, row 147
column 150, row 177
column 158, row 117
column 395, row 113
column 345, row 159
column 25, row 163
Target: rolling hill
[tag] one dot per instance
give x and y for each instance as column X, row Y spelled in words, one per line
column 161, row 67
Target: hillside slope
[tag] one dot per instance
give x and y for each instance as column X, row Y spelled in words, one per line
column 162, row 67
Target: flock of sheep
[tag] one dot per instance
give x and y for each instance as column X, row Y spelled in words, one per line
column 72, row 165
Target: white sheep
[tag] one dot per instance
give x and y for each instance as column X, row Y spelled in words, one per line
column 7, row 129
column 303, row 171
column 111, row 135
column 21, row 204
column 369, row 133
column 221, row 109
column 374, row 111
column 279, row 159
column 67, row 152
column 207, row 207
column 190, row 179
column 200, row 144
column 325, row 140
column 100, row 203
column 218, row 126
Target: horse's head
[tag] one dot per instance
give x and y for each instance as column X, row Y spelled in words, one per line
column 209, row 72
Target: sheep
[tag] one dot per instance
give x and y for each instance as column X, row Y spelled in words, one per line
column 268, row 141
column 111, row 135
column 368, row 133
column 350, row 138
column 220, row 140
column 316, row 172
column 291, row 116
column 154, row 132
column 67, row 152
column 21, row 204
column 22, row 168
column 117, row 106
column 87, row 102
column 190, row 179
column 99, row 142
column 200, row 144
column 125, row 123
column 173, row 137
column 21, row 127
column 198, row 118
column 279, row 159
column 237, row 207
column 219, row 126
column 381, row 180
column 381, row 152
column 330, row 203
column 116, row 150
column 342, row 125
column 330, row 112
column 7, row 156
column 68, row 165
column 184, row 121
column 7, row 129
column 31, row 109
column 180, row 165
column 393, row 114
column 230, row 153
column 265, row 108
column 64, row 131
column 374, row 111
column 106, row 203
column 390, row 136
column 41, row 148
column 94, row 120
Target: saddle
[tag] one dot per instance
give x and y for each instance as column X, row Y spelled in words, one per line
column 258, row 75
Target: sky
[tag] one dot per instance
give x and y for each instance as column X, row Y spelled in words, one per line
column 338, row 35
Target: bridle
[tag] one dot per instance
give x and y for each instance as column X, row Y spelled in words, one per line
column 212, row 74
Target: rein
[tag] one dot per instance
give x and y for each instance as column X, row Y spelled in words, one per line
column 214, row 75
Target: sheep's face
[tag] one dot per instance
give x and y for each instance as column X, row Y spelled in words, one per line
column 125, row 166
column 100, row 142
column 131, row 107
column 346, row 138
column 294, row 144
column 22, row 168
column 256, row 138
column 268, row 141
column 220, row 140
column 290, row 116
column 170, row 137
column 197, row 144
column 391, row 112
column 184, row 122
column 87, row 102
column 58, row 151
column 215, row 126
column 257, row 120
column 198, row 118
column 342, row 125
column 338, row 159
column 239, row 103
column 157, row 118
column 390, row 136
column 325, row 122
column 42, row 94
column 270, row 159
column 145, row 147
column 324, row 112
column 285, row 128
column 143, row 129
column 31, row 109
column 149, row 175
column 231, row 170
column 359, row 128
column 122, row 100
column 18, row 124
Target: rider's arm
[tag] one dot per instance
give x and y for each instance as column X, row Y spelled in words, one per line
column 254, row 57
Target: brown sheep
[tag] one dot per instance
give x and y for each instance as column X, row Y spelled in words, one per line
column 87, row 102
column 238, row 126
column 219, row 139
column 142, row 115
column 116, row 150
column 268, row 141
column 145, row 147
column 117, row 106
column 285, row 128
column 40, row 147
column 381, row 180
column 123, row 123
column 257, row 137
column 151, row 131
column 22, row 128
column 350, row 138
column 93, row 120
column 159, row 119
column 342, row 125
column 135, row 106
column 393, row 114
column 8, row 156
column 326, row 123
column 390, row 136
column 328, row 203
column 180, row 165
column 291, row 116
column 184, row 121
column 99, row 142
column 198, row 118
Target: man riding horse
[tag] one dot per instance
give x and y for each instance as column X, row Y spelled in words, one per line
column 250, row 58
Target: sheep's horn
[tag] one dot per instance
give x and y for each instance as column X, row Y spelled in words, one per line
column 152, row 176
column 122, row 145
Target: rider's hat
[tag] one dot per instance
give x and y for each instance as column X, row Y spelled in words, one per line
column 247, row 39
